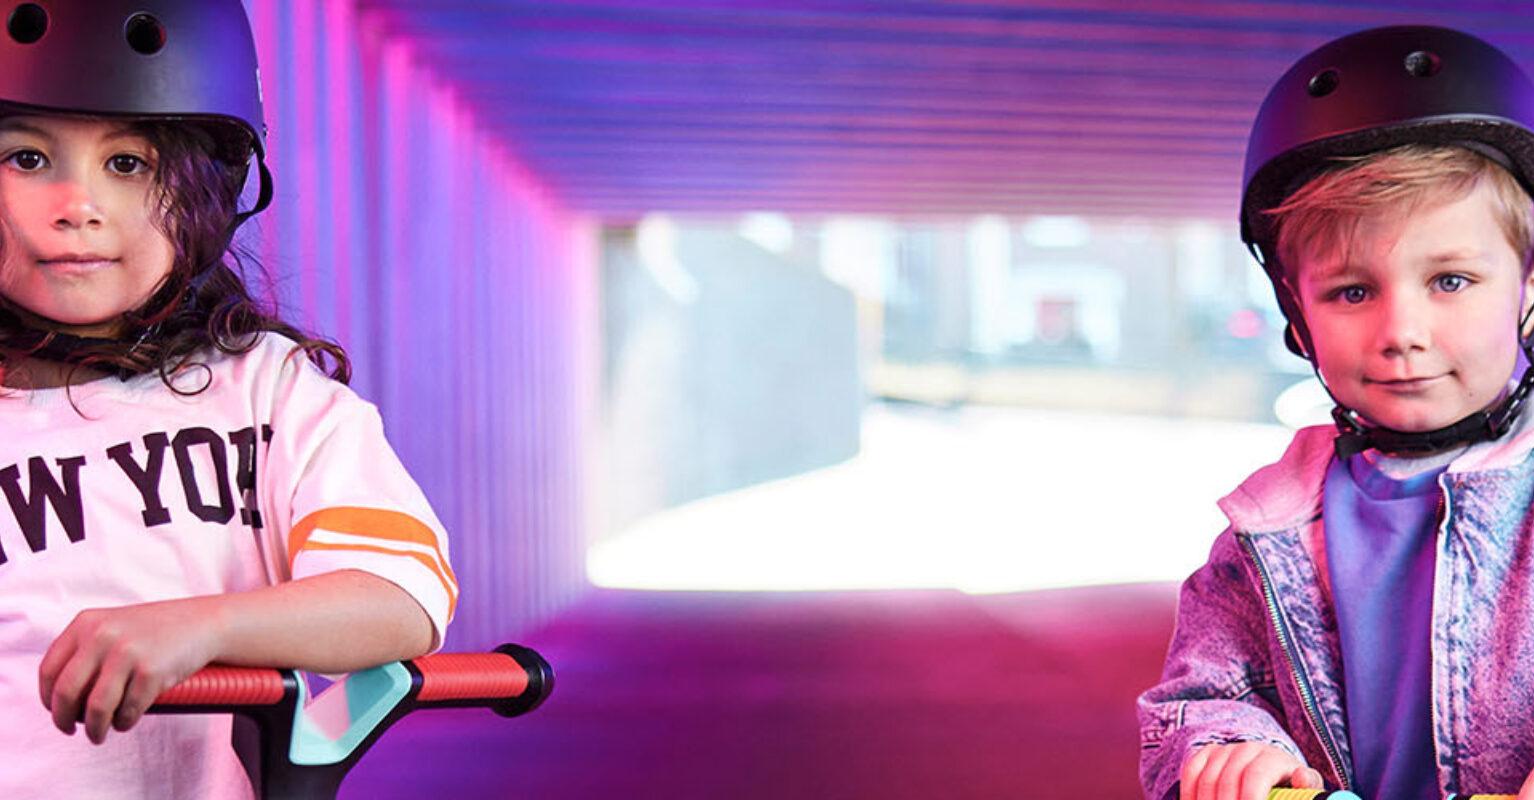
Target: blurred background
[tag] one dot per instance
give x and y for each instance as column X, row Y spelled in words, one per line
column 833, row 390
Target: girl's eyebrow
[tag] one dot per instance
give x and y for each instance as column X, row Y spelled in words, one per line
column 123, row 132
column 13, row 125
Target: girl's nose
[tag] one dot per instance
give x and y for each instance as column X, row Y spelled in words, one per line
column 75, row 205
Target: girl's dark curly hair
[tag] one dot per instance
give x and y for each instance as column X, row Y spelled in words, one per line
column 204, row 302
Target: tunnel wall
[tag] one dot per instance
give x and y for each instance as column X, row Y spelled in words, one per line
column 464, row 293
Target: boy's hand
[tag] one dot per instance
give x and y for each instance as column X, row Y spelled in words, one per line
column 1243, row 771
column 111, row 663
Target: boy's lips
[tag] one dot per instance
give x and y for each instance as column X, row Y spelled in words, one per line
column 1405, row 384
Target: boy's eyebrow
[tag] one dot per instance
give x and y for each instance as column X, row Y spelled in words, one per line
column 1333, row 271
column 1455, row 255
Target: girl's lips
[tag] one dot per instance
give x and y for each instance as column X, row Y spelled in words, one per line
column 77, row 266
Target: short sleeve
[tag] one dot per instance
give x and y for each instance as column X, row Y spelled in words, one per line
column 342, row 499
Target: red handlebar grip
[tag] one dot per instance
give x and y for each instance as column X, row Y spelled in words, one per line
column 469, row 676
column 226, row 686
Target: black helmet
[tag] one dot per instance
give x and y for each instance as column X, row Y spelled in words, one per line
column 190, row 60
column 1367, row 92
column 1373, row 90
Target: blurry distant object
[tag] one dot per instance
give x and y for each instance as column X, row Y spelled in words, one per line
column 1245, row 323
column 1066, row 312
column 771, row 231
column 1135, row 315
column 1056, row 232
column 740, row 350
column 655, row 242
column 1304, row 403
column 1207, row 393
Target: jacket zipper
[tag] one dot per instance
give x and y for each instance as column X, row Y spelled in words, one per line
column 1307, row 693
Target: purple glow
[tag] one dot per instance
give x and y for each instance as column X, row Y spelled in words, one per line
column 457, row 286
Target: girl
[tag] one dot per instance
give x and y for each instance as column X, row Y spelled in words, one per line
column 182, row 482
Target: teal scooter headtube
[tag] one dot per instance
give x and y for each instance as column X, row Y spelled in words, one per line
column 1370, row 91
column 191, row 60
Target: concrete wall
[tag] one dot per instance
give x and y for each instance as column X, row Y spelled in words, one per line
column 727, row 366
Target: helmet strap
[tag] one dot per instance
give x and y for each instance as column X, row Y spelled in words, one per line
column 263, row 195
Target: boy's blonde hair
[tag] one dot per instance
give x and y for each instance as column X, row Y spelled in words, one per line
column 1322, row 214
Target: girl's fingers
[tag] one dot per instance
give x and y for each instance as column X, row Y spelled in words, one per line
column 105, row 696
column 59, row 654
column 140, row 695
column 70, row 688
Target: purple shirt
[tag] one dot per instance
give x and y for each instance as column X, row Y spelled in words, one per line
column 1380, row 544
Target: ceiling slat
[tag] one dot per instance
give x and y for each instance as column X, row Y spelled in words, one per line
column 894, row 106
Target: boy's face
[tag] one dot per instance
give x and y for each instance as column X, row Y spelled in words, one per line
column 77, row 203
column 1415, row 320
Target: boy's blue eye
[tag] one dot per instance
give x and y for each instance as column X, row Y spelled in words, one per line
column 1352, row 294
column 1451, row 283
column 27, row 160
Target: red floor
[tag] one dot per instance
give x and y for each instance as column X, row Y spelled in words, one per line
column 878, row 695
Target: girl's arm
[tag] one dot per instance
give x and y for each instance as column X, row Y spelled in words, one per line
column 111, row 663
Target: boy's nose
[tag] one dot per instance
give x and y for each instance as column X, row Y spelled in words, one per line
column 1402, row 326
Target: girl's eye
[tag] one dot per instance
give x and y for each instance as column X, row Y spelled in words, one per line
column 27, row 160
column 127, row 165
column 1451, row 283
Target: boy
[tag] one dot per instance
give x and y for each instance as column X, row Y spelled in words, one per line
column 1365, row 620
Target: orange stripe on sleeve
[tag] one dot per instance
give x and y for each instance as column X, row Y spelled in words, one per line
column 452, row 594
column 375, row 523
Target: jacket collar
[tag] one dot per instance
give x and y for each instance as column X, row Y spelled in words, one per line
column 1287, row 493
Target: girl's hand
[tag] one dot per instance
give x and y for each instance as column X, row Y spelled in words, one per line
column 1243, row 771
column 110, row 664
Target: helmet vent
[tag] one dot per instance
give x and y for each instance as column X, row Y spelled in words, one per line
column 1324, row 83
column 146, row 35
column 1422, row 64
column 28, row 23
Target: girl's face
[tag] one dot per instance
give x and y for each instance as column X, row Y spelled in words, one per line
column 80, row 242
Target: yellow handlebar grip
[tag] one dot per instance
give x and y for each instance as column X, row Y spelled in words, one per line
column 1311, row 794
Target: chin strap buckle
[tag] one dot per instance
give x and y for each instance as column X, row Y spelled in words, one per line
column 1354, row 437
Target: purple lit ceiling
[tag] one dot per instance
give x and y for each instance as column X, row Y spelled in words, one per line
column 890, row 106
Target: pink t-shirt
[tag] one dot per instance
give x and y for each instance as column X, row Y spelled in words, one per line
column 274, row 472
